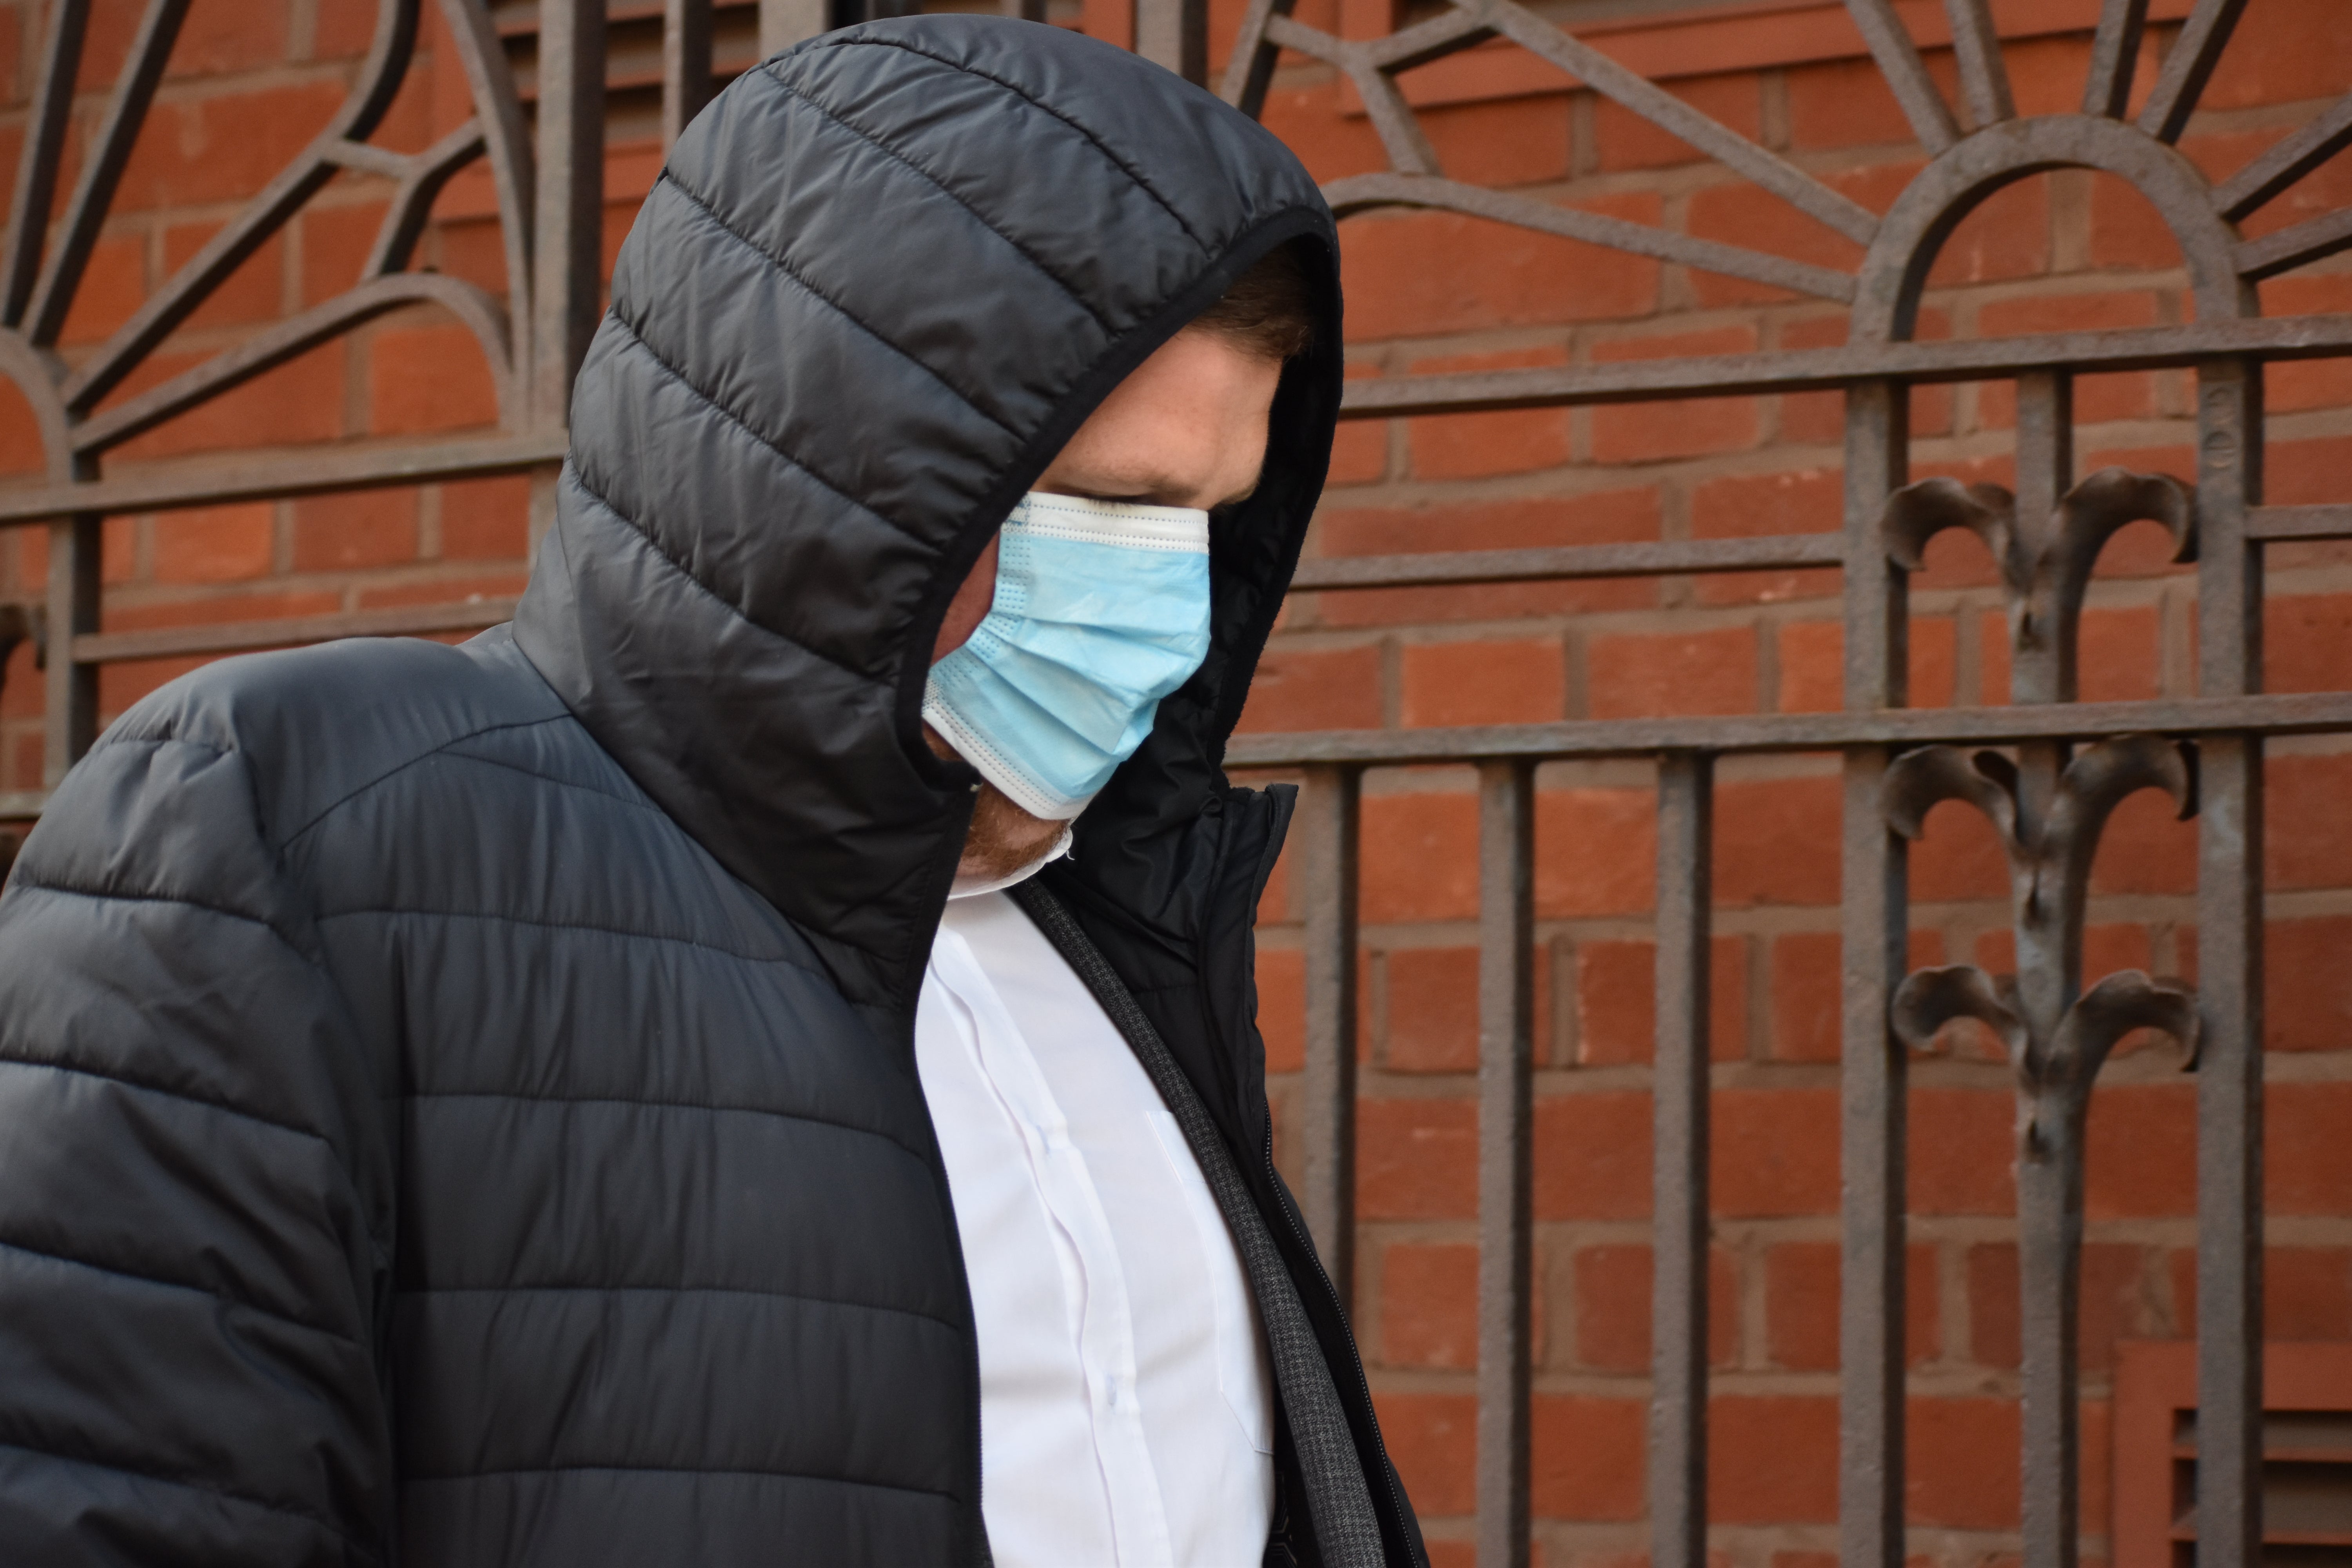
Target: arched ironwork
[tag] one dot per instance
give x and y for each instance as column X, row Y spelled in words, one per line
column 2048, row 794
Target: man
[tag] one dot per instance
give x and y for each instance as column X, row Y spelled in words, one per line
column 525, row 1103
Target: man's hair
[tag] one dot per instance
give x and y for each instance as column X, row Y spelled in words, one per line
column 1270, row 308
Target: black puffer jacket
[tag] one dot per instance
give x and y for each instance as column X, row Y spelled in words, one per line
column 458, row 1105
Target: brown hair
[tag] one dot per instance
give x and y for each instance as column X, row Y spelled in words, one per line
column 1270, row 308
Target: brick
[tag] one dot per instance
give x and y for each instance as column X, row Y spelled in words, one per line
column 1626, row 141
column 1774, row 1151
column 1314, row 688
column 1433, row 1009
column 251, row 293
column 335, row 244
column 1847, row 103
column 2307, row 642
column 1596, row 853
column 20, row 686
column 427, row 379
column 20, row 438
column 1807, row 991
column 1644, row 675
column 2008, row 236
column 117, row 550
column 113, row 285
column 218, row 149
column 1963, row 1144
column 1616, row 1001
column 1812, row 664
column 1592, row 1156
column 2045, row 75
column 473, row 250
column 2294, row 386
column 214, row 544
column 1416, row 1159
column 1802, row 1292
column 1418, row 858
column 1607, row 517
column 1681, row 427
column 2118, row 656
column 2272, row 57
column 1807, row 500
column 1474, row 446
column 1360, row 452
column 2146, row 848
column 1776, row 842
column 2141, row 1152
column 2097, row 398
column 1521, row 682
column 1961, row 1469
column 1586, row 1458
column 1959, row 855
column 2307, row 1158
column 1429, row 1307
column 2307, row 984
column 1612, row 1309
column 469, row 590
column 1333, row 146
column 1432, row 1441
column 2126, row 231
column 299, row 401
column 1515, row 141
column 1771, row 1460
column 1282, row 1007
column 485, row 520
column 1497, row 275
column 217, row 40
column 1738, row 213
column 2119, row 1301
column 2306, row 1293
column 357, row 528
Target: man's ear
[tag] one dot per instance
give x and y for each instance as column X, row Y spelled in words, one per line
column 970, row 607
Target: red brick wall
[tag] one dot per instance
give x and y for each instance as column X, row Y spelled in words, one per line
column 253, row 78
column 1431, row 292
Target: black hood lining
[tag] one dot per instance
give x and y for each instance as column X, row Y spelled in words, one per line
column 718, row 220
column 874, row 141
column 1142, row 181
column 981, row 523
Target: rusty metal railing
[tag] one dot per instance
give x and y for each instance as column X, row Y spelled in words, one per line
column 2066, row 763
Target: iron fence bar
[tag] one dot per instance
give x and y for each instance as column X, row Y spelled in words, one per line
column 42, row 156
column 69, row 694
column 1976, row 43
column 1506, row 1154
column 262, row 477
column 2298, row 713
column 1822, row 370
column 1873, row 917
column 1327, row 836
column 2271, row 523
column 2115, row 57
column 167, row 642
column 567, row 285
column 686, row 65
column 1643, row 560
column 1174, row 33
column 2229, row 979
column 1679, row 1088
column 2189, row 67
column 1898, row 61
column 783, row 23
column 2049, row 1188
column 2286, row 162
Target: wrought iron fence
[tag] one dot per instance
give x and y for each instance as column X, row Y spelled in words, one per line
column 2068, row 763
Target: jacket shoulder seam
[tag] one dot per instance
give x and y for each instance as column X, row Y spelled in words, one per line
column 402, row 766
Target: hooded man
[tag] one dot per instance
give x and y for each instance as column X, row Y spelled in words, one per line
column 754, row 1062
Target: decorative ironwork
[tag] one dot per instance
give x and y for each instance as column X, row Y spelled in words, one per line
column 2049, row 801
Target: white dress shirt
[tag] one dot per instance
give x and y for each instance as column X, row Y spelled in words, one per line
column 1125, row 1408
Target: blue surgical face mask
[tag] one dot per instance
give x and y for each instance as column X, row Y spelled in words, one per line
column 1101, row 609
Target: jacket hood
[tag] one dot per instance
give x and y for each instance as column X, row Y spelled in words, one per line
column 881, row 280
